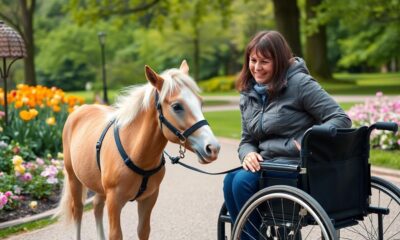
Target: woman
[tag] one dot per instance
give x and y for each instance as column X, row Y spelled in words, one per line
column 279, row 101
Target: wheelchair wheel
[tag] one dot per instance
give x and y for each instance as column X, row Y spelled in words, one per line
column 386, row 196
column 282, row 212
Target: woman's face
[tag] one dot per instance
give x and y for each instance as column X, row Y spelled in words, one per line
column 261, row 68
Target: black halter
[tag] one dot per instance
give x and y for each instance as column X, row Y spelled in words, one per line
column 182, row 136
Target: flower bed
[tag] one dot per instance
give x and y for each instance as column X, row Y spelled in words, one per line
column 30, row 145
column 375, row 110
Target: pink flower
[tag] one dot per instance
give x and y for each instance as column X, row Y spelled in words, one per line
column 3, row 200
column 39, row 161
column 50, row 171
column 8, row 194
column 2, row 114
column 379, row 94
column 26, row 177
column 31, row 165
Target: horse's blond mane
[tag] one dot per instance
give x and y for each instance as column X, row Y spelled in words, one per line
column 135, row 99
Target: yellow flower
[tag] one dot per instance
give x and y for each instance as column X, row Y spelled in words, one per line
column 51, row 121
column 17, row 160
column 1, row 129
column 18, row 104
column 26, row 115
column 60, row 155
column 33, row 112
column 20, row 169
column 33, row 205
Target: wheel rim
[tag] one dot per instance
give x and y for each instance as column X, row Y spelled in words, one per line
column 293, row 227
column 384, row 197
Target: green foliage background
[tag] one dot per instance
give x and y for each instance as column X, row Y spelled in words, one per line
column 363, row 36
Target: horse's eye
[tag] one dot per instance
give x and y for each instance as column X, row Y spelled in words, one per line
column 177, row 107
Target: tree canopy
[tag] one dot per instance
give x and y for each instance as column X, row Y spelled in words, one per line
column 211, row 35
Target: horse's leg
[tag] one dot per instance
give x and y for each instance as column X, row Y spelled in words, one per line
column 145, row 206
column 114, row 207
column 71, row 206
column 76, row 189
column 98, row 205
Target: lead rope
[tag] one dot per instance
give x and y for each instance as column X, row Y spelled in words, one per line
column 176, row 160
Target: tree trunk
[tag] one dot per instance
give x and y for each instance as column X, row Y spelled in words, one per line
column 316, row 48
column 27, row 11
column 287, row 17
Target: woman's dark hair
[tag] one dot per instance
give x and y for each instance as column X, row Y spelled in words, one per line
column 271, row 45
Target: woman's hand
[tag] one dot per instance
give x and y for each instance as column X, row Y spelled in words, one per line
column 252, row 162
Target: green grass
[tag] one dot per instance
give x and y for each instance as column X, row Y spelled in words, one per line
column 26, row 227
column 90, row 95
column 363, row 84
column 225, row 124
column 390, row 159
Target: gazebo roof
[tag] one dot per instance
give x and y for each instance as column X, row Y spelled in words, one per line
column 11, row 43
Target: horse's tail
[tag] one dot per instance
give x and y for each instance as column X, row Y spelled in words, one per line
column 65, row 209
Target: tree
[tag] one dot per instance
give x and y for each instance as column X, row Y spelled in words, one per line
column 153, row 13
column 372, row 30
column 316, row 45
column 287, row 17
column 20, row 15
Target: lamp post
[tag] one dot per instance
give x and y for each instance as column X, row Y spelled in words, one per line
column 12, row 47
column 102, row 40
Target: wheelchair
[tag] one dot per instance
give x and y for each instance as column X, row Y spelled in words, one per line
column 333, row 196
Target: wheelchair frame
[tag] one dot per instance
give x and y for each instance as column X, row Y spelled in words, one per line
column 278, row 219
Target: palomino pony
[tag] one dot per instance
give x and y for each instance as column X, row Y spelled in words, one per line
column 127, row 163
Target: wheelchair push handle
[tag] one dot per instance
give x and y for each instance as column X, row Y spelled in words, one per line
column 329, row 131
column 391, row 126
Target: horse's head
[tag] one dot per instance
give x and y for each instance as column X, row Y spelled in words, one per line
column 179, row 106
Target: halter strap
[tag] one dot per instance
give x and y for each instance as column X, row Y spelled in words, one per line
column 100, row 142
column 182, row 136
column 129, row 163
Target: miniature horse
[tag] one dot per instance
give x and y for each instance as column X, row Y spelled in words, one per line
column 143, row 122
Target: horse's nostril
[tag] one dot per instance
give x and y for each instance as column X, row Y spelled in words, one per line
column 211, row 149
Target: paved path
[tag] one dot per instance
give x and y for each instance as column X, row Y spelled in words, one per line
column 187, row 207
column 189, row 202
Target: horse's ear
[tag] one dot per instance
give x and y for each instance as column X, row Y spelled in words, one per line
column 153, row 78
column 184, row 67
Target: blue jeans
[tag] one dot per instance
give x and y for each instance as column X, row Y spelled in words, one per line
column 239, row 186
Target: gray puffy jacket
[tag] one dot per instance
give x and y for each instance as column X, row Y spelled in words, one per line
column 270, row 128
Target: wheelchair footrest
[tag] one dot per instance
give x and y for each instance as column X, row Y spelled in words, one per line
column 378, row 210
column 344, row 223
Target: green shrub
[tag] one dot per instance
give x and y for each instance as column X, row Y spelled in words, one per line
column 218, row 84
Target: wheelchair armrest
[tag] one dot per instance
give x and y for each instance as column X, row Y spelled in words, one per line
column 284, row 165
column 324, row 130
